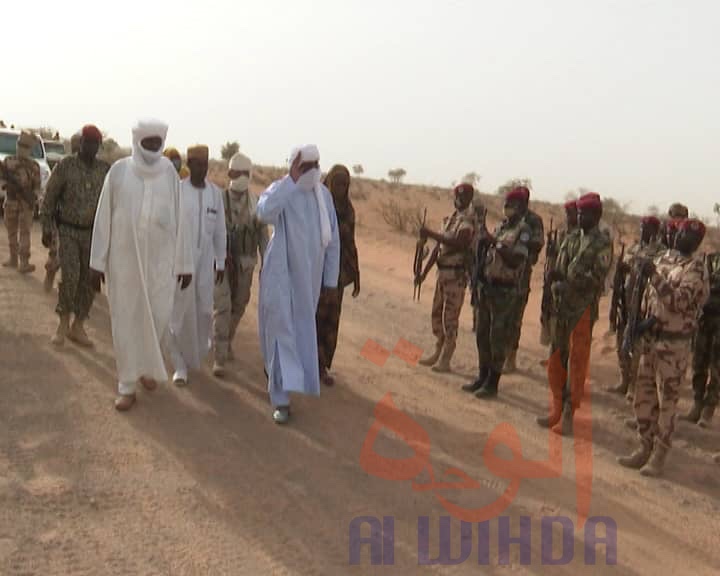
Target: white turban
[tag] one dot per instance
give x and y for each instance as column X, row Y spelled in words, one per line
column 310, row 153
column 240, row 163
column 147, row 128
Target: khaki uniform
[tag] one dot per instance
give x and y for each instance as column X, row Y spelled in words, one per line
column 246, row 236
column 537, row 241
column 70, row 203
column 675, row 296
column 22, row 185
column 452, row 278
column 629, row 366
column 584, row 261
column 498, row 294
column 706, row 355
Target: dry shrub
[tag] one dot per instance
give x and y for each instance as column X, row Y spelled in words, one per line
column 405, row 219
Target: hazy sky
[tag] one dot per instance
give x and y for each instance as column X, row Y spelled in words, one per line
column 619, row 96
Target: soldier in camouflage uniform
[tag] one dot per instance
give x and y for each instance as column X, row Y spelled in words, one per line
column 577, row 283
column 676, row 214
column 706, row 354
column 53, row 262
column 22, row 185
column 246, row 237
column 648, row 247
column 678, row 288
column 506, row 253
column 535, row 246
column 452, row 254
column 70, row 203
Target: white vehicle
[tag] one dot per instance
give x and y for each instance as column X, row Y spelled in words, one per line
column 8, row 139
column 54, row 152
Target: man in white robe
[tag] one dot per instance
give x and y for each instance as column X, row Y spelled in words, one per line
column 204, row 215
column 302, row 258
column 139, row 244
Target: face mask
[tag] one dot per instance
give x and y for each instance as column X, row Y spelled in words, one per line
column 240, row 184
column 309, row 180
column 149, row 156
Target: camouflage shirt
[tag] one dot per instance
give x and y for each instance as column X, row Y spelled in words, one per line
column 636, row 253
column 452, row 227
column 584, row 261
column 247, row 234
column 73, row 192
column 676, row 292
column 537, row 237
column 22, row 179
column 517, row 236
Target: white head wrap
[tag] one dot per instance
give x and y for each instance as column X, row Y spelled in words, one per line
column 241, row 186
column 147, row 128
column 310, row 153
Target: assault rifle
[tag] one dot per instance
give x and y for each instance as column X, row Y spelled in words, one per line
column 618, row 305
column 420, row 254
column 551, row 253
column 636, row 325
column 477, row 278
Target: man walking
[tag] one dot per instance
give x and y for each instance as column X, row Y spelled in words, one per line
column 139, row 241
column 22, row 185
column 678, row 288
column 302, row 259
column 70, row 203
column 452, row 254
column 246, row 237
column 204, row 217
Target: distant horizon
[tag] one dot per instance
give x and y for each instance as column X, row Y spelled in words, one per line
column 616, row 96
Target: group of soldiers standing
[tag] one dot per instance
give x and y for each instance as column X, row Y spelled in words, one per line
column 664, row 291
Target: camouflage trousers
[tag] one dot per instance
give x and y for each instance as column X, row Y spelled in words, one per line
column 327, row 320
column 662, row 368
column 495, row 311
column 228, row 309
column 516, row 324
column 75, row 294
column 706, row 362
column 569, row 363
column 447, row 304
column 18, row 221
column 53, row 261
column 628, row 366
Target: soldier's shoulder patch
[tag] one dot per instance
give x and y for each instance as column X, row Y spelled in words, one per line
column 524, row 236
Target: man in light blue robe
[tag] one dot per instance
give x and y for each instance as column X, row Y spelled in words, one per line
column 302, row 258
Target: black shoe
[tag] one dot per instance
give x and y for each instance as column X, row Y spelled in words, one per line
column 490, row 388
column 475, row 386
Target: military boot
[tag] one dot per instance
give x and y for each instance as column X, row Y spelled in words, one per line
column 475, row 386
column 553, row 418
column 694, row 414
column 490, row 387
column 707, row 416
column 434, row 357
column 49, row 279
column 637, row 459
column 565, row 426
column 444, row 365
column 655, row 466
column 11, row 262
column 510, row 363
column 25, row 266
column 78, row 335
column 62, row 330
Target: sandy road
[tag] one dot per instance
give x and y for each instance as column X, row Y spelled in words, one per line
column 200, row 481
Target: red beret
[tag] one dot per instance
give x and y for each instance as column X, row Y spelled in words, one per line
column 692, row 225
column 464, row 187
column 651, row 221
column 571, row 205
column 589, row 201
column 91, row 132
column 519, row 193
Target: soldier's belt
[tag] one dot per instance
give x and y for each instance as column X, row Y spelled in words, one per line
column 74, row 226
column 673, row 336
